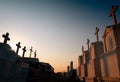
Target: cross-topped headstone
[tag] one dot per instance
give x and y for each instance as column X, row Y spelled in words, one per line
column 18, row 46
column 113, row 15
column 82, row 49
column 31, row 51
column 35, row 54
column 96, row 33
column 24, row 50
column 88, row 41
column 6, row 38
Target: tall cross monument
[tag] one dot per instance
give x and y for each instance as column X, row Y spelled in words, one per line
column 24, row 50
column 35, row 54
column 113, row 15
column 96, row 33
column 6, row 37
column 18, row 46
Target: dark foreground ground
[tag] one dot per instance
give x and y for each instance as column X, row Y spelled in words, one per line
column 60, row 80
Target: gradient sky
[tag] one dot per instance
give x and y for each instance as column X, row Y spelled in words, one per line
column 55, row 28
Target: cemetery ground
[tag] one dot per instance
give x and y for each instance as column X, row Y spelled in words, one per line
column 61, row 80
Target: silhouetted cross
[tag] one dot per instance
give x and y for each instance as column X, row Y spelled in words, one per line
column 88, row 41
column 35, row 54
column 96, row 33
column 18, row 46
column 31, row 51
column 24, row 50
column 112, row 14
column 6, row 38
column 82, row 49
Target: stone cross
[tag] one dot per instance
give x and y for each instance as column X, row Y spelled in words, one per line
column 88, row 41
column 82, row 49
column 6, row 38
column 18, row 46
column 31, row 51
column 35, row 54
column 113, row 15
column 96, row 33
column 24, row 50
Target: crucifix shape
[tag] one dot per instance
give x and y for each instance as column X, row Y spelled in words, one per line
column 88, row 41
column 113, row 15
column 82, row 49
column 31, row 51
column 6, row 38
column 96, row 33
column 24, row 50
column 18, row 46
column 35, row 54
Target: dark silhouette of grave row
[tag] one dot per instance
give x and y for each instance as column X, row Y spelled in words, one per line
column 6, row 38
column 14, row 68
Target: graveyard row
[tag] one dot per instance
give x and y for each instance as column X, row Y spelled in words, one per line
column 101, row 62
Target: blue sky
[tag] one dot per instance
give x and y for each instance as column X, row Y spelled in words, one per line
column 55, row 28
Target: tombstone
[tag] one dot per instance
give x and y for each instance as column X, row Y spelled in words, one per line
column 96, row 49
column 111, row 37
column 85, row 56
column 24, row 50
column 68, row 73
column 71, row 65
column 110, row 60
column 31, row 51
column 80, row 62
column 94, row 69
column 96, row 33
column 113, row 15
column 35, row 54
column 10, row 69
column 18, row 46
column 6, row 37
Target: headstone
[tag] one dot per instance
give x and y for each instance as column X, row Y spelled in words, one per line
column 71, row 65
column 113, row 15
column 80, row 63
column 85, row 62
column 18, row 46
column 24, row 50
column 6, row 37
column 80, row 60
column 85, row 57
column 31, row 51
column 35, row 54
column 111, row 37
column 7, row 53
column 68, row 73
column 96, row 49
column 110, row 60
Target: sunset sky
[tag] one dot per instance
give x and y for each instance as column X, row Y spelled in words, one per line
column 57, row 29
